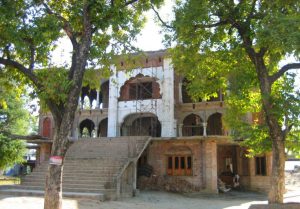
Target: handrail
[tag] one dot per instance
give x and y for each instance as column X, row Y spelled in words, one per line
column 130, row 160
column 145, row 146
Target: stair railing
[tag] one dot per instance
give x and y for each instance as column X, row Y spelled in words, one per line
column 118, row 178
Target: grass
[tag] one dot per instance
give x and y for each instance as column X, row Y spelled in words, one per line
column 5, row 180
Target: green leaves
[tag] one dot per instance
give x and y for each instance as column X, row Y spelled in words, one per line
column 13, row 119
column 56, row 85
column 11, row 152
column 231, row 45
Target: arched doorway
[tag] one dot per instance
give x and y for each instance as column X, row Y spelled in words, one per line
column 46, row 127
column 143, row 124
column 192, row 126
column 87, row 128
column 214, row 124
column 102, row 128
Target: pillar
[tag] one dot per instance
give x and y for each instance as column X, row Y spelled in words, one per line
column 204, row 129
column 211, row 169
column 96, row 132
column 80, row 103
column 166, row 117
column 76, row 135
column 180, row 129
column 180, row 92
column 113, row 104
column 97, row 101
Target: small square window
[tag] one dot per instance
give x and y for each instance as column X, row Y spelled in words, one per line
column 260, row 164
column 179, row 165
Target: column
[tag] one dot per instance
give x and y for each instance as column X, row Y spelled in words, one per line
column 96, row 132
column 180, row 129
column 204, row 129
column 97, row 101
column 211, row 169
column 113, row 104
column 167, row 119
column 76, row 133
column 180, row 92
column 79, row 103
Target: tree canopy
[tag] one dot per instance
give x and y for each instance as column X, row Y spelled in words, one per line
column 97, row 30
column 14, row 119
column 211, row 53
column 237, row 46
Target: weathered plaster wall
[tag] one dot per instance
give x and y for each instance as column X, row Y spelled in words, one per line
column 163, row 108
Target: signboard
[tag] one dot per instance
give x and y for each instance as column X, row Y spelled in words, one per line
column 55, row 160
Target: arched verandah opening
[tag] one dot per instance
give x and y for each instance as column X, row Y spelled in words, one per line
column 192, row 126
column 214, row 124
column 87, row 128
column 102, row 128
column 142, row 124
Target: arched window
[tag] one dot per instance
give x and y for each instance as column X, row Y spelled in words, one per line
column 139, row 88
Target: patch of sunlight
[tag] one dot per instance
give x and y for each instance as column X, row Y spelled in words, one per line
column 246, row 205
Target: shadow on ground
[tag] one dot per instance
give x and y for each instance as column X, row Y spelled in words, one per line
column 154, row 200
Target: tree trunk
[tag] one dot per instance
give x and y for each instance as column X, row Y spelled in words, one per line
column 275, row 132
column 272, row 121
column 277, row 178
column 53, row 191
column 53, row 187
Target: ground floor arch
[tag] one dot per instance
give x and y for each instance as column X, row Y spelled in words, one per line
column 87, row 128
column 141, row 124
column 102, row 128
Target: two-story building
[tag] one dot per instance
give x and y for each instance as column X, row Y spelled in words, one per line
column 189, row 148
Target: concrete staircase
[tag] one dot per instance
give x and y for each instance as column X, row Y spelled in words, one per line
column 91, row 167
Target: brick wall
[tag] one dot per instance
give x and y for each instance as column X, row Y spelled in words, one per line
column 203, row 165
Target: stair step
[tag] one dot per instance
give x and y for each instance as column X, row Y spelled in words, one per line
column 27, row 192
column 90, row 165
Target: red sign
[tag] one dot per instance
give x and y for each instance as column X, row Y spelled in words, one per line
column 55, row 160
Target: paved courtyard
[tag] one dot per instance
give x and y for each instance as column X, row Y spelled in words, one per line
column 154, row 200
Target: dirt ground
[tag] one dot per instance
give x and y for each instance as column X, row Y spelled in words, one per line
column 165, row 200
column 154, row 200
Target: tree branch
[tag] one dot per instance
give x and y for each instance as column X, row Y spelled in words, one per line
column 129, row 2
column 32, row 53
column 66, row 25
column 160, row 19
column 32, row 77
column 221, row 22
column 283, row 70
column 27, row 72
column 249, row 17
